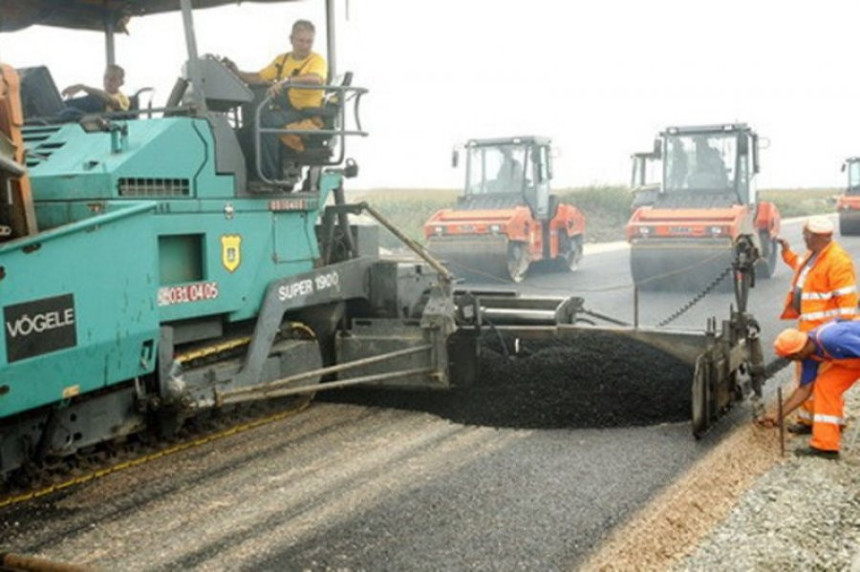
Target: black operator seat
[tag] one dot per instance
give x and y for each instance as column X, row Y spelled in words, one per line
column 40, row 98
column 319, row 148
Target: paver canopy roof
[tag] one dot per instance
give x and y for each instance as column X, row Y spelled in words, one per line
column 91, row 14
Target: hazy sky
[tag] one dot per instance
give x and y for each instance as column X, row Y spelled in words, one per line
column 601, row 78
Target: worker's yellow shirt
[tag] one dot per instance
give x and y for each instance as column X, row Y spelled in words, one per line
column 285, row 66
column 121, row 99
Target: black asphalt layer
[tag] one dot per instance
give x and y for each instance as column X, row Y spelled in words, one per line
column 593, row 379
column 540, row 504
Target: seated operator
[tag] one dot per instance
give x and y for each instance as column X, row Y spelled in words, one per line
column 96, row 100
column 509, row 177
column 677, row 164
column 299, row 67
column 710, row 171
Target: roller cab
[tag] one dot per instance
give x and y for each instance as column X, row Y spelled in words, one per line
column 506, row 223
column 682, row 236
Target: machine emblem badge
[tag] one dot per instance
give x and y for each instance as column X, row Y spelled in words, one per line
column 231, row 251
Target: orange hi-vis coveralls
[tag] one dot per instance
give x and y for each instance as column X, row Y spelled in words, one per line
column 824, row 287
column 834, row 366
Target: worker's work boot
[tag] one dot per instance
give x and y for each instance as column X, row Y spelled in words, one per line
column 813, row 452
column 799, row 429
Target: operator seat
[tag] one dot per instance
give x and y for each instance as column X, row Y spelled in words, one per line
column 134, row 99
column 133, row 111
column 319, row 148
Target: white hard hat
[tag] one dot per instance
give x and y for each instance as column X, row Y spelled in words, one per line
column 820, row 225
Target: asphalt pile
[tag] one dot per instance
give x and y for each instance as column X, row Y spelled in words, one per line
column 592, row 379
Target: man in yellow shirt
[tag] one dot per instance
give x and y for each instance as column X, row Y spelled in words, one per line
column 299, row 67
column 97, row 100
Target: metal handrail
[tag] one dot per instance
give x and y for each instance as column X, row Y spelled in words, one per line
column 340, row 131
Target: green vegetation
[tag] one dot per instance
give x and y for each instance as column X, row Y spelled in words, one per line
column 606, row 208
column 407, row 209
column 801, row 202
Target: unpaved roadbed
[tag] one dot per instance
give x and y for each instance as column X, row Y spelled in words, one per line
column 804, row 514
column 744, row 508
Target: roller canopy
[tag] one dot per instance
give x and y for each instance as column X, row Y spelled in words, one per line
column 91, row 14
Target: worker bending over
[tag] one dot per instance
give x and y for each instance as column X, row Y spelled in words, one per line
column 829, row 357
column 824, row 287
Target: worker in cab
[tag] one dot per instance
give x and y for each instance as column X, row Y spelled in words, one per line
column 677, row 168
column 509, row 177
column 107, row 99
column 829, row 358
column 824, row 287
column 709, row 170
column 290, row 78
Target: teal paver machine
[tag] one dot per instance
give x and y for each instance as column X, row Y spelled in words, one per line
column 148, row 272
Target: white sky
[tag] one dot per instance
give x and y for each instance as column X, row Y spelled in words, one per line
column 600, row 77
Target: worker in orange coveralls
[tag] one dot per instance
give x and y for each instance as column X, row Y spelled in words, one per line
column 824, row 287
column 829, row 357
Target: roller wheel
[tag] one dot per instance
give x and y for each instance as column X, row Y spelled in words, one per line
column 518, row 261
column 570, row 252
column 766, row 266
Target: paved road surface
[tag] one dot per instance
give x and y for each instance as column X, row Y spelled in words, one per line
column 359, row 488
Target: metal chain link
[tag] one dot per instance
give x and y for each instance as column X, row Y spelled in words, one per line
column 695, row 299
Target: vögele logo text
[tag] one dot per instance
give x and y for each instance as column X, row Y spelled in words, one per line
column 26, row 324
column 40, row 326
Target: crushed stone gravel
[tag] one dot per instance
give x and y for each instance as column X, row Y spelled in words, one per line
column 743, row 507
column 804, row 514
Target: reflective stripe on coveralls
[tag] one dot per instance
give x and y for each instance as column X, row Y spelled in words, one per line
column 828, row 314
column 828, row 295
column 802, row 413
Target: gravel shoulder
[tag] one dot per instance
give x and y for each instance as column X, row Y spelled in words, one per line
column 803, row 514
column 743, row 507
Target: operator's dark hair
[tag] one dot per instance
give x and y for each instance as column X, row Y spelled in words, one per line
column 114, row 67
column 303, row 25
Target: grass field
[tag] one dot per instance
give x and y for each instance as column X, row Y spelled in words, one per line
column 607, row 209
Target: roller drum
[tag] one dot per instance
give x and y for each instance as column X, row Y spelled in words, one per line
column 480, row 258
column 680, row 264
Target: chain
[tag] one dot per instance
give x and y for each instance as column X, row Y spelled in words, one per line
column 696, row 299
